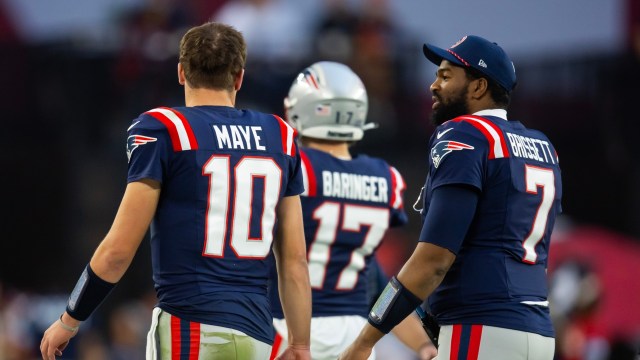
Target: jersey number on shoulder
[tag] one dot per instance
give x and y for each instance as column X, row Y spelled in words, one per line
column 537, row 177
column 246, row 171
column 352, row 218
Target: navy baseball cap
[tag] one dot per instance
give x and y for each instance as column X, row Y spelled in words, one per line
column 480, row 54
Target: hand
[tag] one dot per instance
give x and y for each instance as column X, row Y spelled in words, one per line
column 427, row 351
column 56, row 338
column 295, row 352
column 356, row 352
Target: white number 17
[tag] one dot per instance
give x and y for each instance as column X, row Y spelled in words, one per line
column 354, row 217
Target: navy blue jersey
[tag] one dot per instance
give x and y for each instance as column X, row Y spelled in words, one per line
column 347, row 206
column 499, row 275
column 223, row 172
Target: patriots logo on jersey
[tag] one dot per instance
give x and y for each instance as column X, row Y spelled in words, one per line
column 442, row 148
column 134, row 141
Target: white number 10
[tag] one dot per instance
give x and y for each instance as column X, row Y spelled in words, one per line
column 247, row 169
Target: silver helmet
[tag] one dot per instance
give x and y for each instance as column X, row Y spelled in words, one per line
column 328, row 101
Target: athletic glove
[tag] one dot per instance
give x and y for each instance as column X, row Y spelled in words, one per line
column 430, row 325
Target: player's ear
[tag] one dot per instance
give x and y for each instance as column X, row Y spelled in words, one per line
column 181, row 78
column 478, row 87
column 238, row 82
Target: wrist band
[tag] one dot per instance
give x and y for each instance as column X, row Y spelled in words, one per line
column 67, row 327
column 88, row 294
column 394, row 304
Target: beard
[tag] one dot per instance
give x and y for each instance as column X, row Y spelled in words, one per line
column 449, row 109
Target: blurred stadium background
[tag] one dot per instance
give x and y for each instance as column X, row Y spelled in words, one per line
column 76, row 73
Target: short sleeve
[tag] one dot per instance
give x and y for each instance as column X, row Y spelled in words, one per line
column 295, row 183
column 458, row 155
column 148, row 149
column 396, row 203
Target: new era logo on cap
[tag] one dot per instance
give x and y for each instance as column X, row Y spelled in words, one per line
column 479, row 53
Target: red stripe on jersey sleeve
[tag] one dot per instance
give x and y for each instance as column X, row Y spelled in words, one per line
column 193, row 142
column 288, row 135
column 171, row 127
column 503, row 142
column 477, row 122
column 394, row 183
column 397, row 187
column 311, row 175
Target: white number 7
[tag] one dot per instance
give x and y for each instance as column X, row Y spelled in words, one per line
column 538, row 177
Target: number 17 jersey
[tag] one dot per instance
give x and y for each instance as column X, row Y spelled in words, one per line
column 347, row 207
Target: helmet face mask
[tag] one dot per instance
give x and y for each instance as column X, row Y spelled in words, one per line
column 328, row 101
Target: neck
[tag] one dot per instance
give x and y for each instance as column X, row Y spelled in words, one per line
column 199, row 97
column 337, row 149
column 483, row 103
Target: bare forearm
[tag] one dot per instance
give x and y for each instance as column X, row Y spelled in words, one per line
column 115, row 253
column 420, row 275
column 293, row 271
column 410, row 333
column 368, row 336
column 295, row 295
column 425, row 269
column 110, row 264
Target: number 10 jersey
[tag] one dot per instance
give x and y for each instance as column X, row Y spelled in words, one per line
column 222, row 173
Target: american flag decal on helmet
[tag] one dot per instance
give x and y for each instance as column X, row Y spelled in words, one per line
column 441, row 149
column 133, row 141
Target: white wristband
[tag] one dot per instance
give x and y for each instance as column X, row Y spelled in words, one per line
column 67, row 327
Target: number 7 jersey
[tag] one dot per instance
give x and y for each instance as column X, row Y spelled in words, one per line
column 499, row 275
column 222, row 173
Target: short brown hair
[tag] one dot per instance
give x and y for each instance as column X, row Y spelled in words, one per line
column 212, row 55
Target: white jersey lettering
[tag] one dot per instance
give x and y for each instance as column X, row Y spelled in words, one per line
column 355, row 186
column 239, row 137
column 530, row 148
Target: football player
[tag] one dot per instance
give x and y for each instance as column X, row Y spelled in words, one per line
column 491, row 198
column 219, row 186
column 348, row 204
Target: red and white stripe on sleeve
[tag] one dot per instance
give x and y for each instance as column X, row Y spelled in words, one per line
column 288, row 135
column 497, row 144
column 180, row 132
column 397, row 188
column 308, row 176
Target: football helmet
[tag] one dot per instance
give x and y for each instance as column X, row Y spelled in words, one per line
column 328, row 101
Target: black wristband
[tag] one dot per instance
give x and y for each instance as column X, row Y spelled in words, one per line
column 394, row 305
column 88, row 294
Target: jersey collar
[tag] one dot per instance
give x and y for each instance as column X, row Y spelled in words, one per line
column 501, row 113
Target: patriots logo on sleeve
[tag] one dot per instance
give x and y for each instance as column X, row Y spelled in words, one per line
column 442, row 148
column 133, row 141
